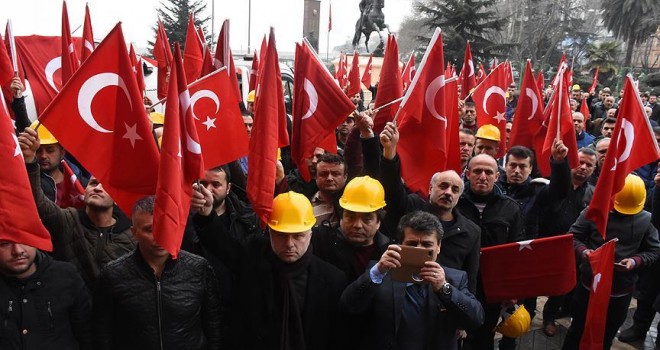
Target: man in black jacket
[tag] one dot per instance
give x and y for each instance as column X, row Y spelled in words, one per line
column 43, row 302
column 147, row 300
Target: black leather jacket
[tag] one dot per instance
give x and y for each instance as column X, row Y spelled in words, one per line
column 133, row 309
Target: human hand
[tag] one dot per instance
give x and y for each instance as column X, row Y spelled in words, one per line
column 29, row 142
column 389, row 139
column 559, row 150
column 17, row 87
column 434, row 274
column 365, row 123
column 391, row 259
column 201, row 201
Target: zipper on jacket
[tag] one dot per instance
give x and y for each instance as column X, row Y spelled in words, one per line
column 159, row 307
column 50, row 314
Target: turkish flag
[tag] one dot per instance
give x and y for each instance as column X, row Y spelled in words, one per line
column 73, row 194
column 543, row 266
column 193, row 52
column 540, row 81
column 41, row 58
column 422, row 120
column 340, row 74
column 224, row 58
column 319, row 106
column 481, row 75
column 137, row 69
column 218, row 119
column 602, row 267
column 88, row 37
column 354, row 76
column 180, row 162
column 528, row 116
column 70, row 61
column 633, row 145
column 207, row 62
column 20, row 220
column 6, row 72
column 469, row 80
column 254, row 71
column 595, row 81
column 366, row 75
column 268, row 133
column 390, row 87
column 490, row 102
column 163, row 55
column 453, row 126
column 408, row 71
column 560, row 125
column 584, row 109
column 101, row 109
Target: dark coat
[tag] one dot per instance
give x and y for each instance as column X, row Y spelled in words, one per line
column 51, row 309
column 382, row 304
column 133, row 309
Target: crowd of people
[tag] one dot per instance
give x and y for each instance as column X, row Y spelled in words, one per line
column 319, row 274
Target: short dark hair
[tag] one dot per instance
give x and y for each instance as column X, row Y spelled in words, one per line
column 588, row 151
column 145, row 205
column 609, row 121
column 328, row 157
column 223, row 169
column 380, row 213
column 466, row 131
column 420, row 222
column 469, row 104
column 520, row 152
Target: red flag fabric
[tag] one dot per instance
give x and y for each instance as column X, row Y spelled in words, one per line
column 528, row 116
column 390, row 87
column 70, row 61
column 366, row 75
column 592, row 88
column 422, row 120
column 101, row 108
column 491, row 109
column 73, row 194
column 218, row 119
column 481, row 75
column 602, row 267
column 207, row 62
column 340, row 74
column 633, row 145
column 193, row 52
column 6, row 72
column 584, row 109
column 224, row 58
column 162, row 54
column 262, row 51
column 469, row 81
column 137, row 69
column 543, row 266
column 180, row 162
column 268, row 133
column 540, row 81
column 453, row 126
column 330, row 17
column 20, row 220
column 319, row 106
column 42, row 61
column 560, row 125
column 254, row 71
column 88, row 37
column 354, row 76
column 408, row 71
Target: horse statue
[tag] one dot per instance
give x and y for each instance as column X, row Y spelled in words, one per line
column 371, row 20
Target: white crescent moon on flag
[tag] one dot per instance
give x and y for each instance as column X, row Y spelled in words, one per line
column 429, row 98
column 201, row 94
column 595, row 283
column 535, row 102
column 89, row 90
column 471, row 65
column 51, row 67
column 89, row 46
column 185, row 103
column 493, row 90
column 628, row 130
column 313, row 98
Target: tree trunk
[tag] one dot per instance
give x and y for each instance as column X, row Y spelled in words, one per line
column 629, row 50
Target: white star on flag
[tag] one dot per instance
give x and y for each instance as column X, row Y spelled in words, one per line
column 210, row 123
column 500, row 117
column 525, row 245
column 17, row 151
column 131, row 134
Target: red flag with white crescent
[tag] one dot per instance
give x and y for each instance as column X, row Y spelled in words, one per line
column 490, row 102
column 88, row 37
column 390, row 87
column 602, row 269
column 70, row 61
column 354, row 76
column 528, row 116
column 162, row 54
column 408, row 71
column 72, row 194
column 469, row 80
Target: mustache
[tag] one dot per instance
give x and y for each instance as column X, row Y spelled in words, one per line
column 447, row 197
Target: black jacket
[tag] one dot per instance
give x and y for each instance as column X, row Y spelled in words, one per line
column 638, row 239
column 133, row 309
column 49, row 310
column 559, row 216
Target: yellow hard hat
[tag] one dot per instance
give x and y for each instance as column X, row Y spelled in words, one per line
column 157, row 118
column 488, row 132
column 363, row 195
column 576, row 87
column 630, row 200
column 45, row 137
column 516, row 324
column 292, row 213
column 250, row 97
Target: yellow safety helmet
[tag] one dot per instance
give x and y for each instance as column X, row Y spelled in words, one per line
column 45, row 137
column 630, row 200
column 250, row 97
column 292, row 213
column 157, row 118
column 488, row 132
column 363, row 195
column 515, row 324
column 576, row 87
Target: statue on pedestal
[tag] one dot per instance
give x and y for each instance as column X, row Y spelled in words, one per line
column 371, row 20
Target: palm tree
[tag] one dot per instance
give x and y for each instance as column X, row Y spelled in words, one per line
column 604, row 55
column 632, row 21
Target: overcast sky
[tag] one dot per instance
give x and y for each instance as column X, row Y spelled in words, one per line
column 43, row 17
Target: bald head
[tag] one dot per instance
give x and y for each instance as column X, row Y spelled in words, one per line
column 482, row 172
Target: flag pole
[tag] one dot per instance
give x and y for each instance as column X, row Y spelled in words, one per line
column 12, row 47
column 327, row 43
